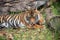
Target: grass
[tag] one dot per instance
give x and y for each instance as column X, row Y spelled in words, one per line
column 30, row 34
column 2, row 38
column 56, row 8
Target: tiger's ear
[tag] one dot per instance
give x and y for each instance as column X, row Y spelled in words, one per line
column 36, row 11
column 35, row 8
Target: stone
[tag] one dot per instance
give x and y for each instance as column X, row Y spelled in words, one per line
column 19, row 5
column 4, row 10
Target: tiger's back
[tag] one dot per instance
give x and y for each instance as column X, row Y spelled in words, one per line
column 12, row 20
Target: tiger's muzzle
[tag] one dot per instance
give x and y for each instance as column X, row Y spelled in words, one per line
column 32, row 20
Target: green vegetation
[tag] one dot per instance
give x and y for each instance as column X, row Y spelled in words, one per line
column 56, row 8
column 15, row 12
column 30, row 34
column 2, row 38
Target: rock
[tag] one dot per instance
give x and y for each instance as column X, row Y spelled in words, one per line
column 36, row 4
column 19, row 5
column 4, row 10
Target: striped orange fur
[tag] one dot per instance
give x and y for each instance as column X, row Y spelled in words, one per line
column 29, row 19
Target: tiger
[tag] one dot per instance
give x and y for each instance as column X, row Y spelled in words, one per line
column 28, row 19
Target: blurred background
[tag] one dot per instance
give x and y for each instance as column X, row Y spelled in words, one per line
column 50, row 11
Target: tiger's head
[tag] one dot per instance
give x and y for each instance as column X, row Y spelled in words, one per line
column 32, row 17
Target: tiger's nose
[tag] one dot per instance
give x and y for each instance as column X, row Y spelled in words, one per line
column 32, row 23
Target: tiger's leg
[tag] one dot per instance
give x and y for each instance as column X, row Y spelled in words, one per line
column 41, row 22
column 29, row 26
column 37, row 26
